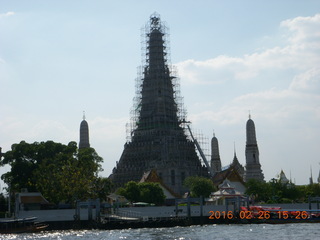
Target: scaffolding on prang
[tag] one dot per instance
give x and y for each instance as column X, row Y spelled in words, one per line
column 178, row 107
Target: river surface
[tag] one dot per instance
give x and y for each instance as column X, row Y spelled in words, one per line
column 206, row 232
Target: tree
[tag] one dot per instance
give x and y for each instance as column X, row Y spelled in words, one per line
column 101, row 188
column 151, row 193
column 142, row 192
column 60, row 172
column 131, row 191
column 261, row 191
column 199, row 186
column 22, row 160
column 312, row 190
column 276, row 192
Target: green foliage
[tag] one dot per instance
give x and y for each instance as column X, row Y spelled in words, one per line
column 313, row 190
column 101, row 188
column 277, row 192
column 151, row 193
column 142, row 192
column 60, row 172
column 199, row 186
column 131, row 191
column 260, row 190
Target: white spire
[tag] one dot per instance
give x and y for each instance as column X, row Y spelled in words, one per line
column 84, row 115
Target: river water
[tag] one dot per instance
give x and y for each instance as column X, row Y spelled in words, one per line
column 236, row 231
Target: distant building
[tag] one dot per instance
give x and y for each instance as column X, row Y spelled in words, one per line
column 152, row 176
column 215, row 156
column 220, row 174
column 84, row 134
column 226, row 191
column 253, row 167
column 114, row 198
column 231, row 175
column 30, row 201
column 157, row 139
column 282, row 178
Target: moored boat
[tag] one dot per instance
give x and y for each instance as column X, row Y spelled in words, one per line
column 21, row 225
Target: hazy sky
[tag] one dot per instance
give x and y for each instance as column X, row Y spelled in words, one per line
column 60, row 58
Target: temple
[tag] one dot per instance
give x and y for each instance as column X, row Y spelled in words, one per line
column 84, row 134
column 215, row 156
column 157, row 139
column 253, row 167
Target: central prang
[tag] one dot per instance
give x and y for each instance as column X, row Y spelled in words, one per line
column 158, row 141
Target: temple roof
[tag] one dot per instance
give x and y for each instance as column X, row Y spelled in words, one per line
column 282, row 178
column 230, row 173
column 152, row 176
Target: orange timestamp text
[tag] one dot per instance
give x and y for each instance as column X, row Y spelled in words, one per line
column 258, row 214
column 221, row 214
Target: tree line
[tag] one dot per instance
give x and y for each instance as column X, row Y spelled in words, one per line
column 276, row 192
column 65, row 173
column 62, row 173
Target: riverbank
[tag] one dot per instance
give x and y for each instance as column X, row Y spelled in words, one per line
column 167, row 222
column 167, row 216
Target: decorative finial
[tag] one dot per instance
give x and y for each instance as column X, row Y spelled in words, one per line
column 234, row 148
column 155, row 21
column 214, row 133
column 84, row 115
column 249, row 115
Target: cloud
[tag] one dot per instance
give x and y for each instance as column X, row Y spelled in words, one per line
column 220, row 69
column 302, row 53
column 305, row 29
column 7, row 14
column 308, row 81
column 298, row 62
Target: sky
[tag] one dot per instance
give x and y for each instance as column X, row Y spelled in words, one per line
column 60, row 58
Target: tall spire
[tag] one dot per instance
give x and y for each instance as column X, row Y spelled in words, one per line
column 157, row 139
column 251, row 132
column 311, row 178
column 215, row 156
column 157, row 108
column 84, row 133
column 253, row 167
